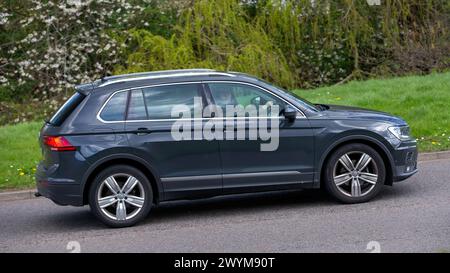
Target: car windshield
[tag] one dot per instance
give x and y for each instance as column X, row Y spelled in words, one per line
column 299, row 99
column 294, row 96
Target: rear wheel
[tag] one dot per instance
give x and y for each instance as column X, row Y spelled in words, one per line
column 120, row 196
column 354, row 173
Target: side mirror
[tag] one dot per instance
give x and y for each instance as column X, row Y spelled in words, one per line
column 290, row 113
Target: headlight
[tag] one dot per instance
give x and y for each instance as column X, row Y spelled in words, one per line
column 400, row 132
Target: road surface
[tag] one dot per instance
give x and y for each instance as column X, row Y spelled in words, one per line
column 412, row 216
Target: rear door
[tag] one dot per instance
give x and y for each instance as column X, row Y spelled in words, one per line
column 188, row 166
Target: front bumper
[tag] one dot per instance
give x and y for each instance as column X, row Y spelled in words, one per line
column 60, row 191
column 405, row 161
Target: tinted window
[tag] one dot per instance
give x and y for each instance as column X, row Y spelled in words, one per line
column 67, row 108
column 136, row 110
column 242, row 94
column 114, row 110
column 160, row 100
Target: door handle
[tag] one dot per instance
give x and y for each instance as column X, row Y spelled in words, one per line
column 142, row 131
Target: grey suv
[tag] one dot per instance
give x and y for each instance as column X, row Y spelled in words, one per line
column 112, row 144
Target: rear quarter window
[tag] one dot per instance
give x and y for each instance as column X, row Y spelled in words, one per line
column 66, row 109
column 114, row 109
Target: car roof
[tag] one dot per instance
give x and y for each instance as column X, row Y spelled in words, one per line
column 163, row 76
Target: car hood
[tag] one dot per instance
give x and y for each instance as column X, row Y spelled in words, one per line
column 349, row 112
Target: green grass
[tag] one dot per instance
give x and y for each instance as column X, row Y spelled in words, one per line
column 422, row 101
column 20, row 153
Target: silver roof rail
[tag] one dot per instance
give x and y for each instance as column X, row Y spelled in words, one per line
column 161, row 74
column 150, row 73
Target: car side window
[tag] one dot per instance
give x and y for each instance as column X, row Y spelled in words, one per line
column 160, row 100
column 242, row 94
column 114, row 109
column 136, row 108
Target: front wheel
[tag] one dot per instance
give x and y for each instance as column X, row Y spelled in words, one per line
column 120, row 196
column 354, row 173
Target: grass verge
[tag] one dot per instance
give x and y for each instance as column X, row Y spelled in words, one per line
column 20, row 153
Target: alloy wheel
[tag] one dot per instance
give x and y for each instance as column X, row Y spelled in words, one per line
column 121, row 197
column 355, row 174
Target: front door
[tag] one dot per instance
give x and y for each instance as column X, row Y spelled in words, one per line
column 263, row 163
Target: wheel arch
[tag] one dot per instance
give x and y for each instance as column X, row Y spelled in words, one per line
column 367, row 140
column 123, row 159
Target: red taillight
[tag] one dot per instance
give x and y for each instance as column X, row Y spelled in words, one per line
column 58, row 143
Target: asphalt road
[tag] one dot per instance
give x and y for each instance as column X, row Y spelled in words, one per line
column 412, row 216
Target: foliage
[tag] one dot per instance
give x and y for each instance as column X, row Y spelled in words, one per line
column 46, row 47
column 62, row 43
column 301, row 43
column 213, row 34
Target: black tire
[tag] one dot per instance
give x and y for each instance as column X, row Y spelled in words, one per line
column 144, row 189
column 350, row 149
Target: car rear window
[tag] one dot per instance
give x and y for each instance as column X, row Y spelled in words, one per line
column 66, row 109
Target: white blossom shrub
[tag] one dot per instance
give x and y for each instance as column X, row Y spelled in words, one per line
column 67, row 43
column 47, row 47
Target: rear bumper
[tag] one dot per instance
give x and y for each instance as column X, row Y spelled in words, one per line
column 405, row 160
column 60, row 191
